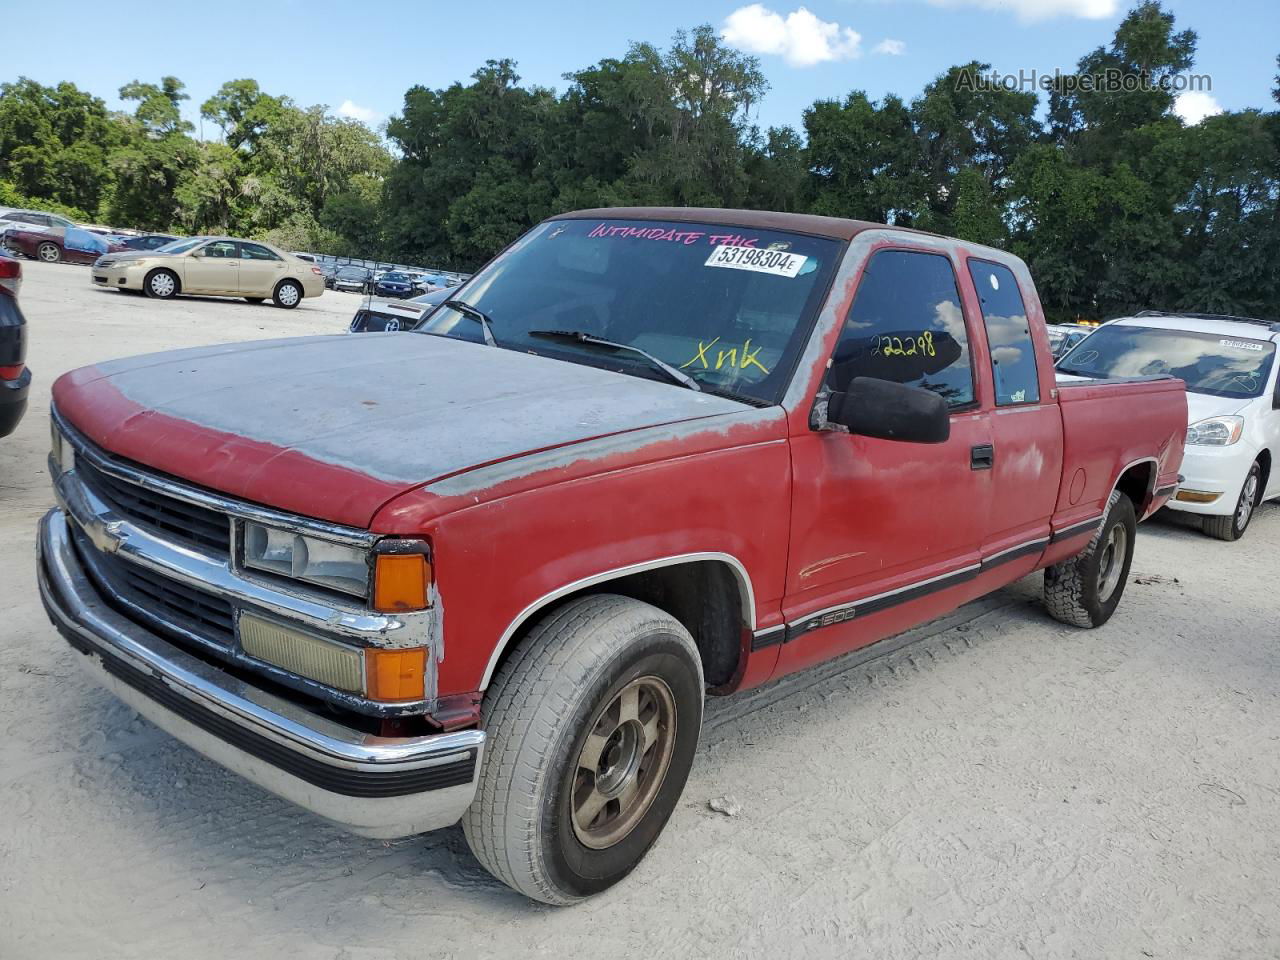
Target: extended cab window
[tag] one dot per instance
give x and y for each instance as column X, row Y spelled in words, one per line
column 906, row 325
column 1013, row 355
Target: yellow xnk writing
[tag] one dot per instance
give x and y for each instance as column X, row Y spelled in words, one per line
column 737, row 357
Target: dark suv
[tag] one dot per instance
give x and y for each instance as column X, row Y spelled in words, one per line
column 15, row 378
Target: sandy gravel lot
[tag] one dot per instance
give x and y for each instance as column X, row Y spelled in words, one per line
column 993, row 785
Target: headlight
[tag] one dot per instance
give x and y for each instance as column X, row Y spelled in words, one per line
column 322, row 562
column 125, row 263
column 1216, row 431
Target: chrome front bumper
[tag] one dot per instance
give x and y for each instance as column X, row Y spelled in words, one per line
column 374, row 786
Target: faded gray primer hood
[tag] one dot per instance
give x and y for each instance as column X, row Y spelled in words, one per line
column 404, row 408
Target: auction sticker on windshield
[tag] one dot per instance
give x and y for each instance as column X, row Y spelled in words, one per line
column 780, row 263
column 1242, row 345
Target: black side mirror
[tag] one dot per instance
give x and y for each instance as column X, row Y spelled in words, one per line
column 891, row 411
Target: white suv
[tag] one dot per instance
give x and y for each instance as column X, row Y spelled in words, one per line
column 1233, row 403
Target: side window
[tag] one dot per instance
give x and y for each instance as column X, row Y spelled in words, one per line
column 225, row 249
column 906, row 325
column 1013, row 355
column 252, row 251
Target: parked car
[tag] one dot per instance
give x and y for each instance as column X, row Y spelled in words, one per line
column 54, row 244
column 1064, row 336
column 15, row 375
column 147, row 241
column 34, row 218
column 1233, row 401
column 352, row 279
column 393, row 284
column 625, row 493
column 388, row 316
column 213, row 266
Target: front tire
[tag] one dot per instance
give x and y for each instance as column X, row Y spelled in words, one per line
column 1085, row 590
column 49, row 252
column 592, row 726
column 161, row 284
column 1233, row 527
column 288, row 294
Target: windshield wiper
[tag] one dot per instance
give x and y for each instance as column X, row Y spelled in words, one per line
column 482, row 318
column 579, row 336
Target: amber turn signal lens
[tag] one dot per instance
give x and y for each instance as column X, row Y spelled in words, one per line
column 401, row 582
column 396, row 674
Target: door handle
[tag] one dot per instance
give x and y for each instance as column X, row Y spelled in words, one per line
column 982, row 456
column 233, row 263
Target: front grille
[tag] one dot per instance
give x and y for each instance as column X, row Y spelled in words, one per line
column 169, row 606
column 194, row 526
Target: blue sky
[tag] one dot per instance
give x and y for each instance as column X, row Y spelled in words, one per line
column 364, row 56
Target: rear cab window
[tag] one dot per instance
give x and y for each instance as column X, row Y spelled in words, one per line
column 907, row 326
column 1004, row 315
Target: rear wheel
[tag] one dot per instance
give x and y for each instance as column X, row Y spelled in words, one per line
column 288, row 294
column 49, row 252
column 161, row 284
column 592, row 727
column 1085, row 590
column 1234, row 526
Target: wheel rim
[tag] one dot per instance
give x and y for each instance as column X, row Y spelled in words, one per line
column 48, row 253
column 162, row 285
column 1112, row 563
column 1248, row 496
column 288, row 295
column 623, row 762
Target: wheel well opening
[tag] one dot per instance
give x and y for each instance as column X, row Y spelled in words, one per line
column 704, row 595
column 1264, row 462
column 1137, row 483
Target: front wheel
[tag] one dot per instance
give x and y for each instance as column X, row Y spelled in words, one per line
column 1085, row 590
column 161, row 284
column 288, row 294
column 49, row 252
column 1234, row 526
column 592, row 726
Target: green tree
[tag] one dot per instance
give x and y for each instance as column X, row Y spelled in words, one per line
column 159, row 109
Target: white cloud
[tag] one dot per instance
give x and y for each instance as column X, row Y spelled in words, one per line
column 894, row 48
column 1194, row 105
column 1028, row 10
column 354, row 111
column 800, row 37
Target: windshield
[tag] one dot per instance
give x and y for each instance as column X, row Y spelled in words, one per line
column 728, row 306
column 395, row 277
column 352, row 272
column 1209, row 363
column 180, row 246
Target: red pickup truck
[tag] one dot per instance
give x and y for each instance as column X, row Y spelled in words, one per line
column 486, row 570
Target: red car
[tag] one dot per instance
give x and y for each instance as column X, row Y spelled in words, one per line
column 488, row 569
column 54, row 241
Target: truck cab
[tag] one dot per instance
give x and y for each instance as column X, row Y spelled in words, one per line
column 488, row 570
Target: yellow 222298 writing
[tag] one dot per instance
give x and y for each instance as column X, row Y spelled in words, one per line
column 911, row 347
column 746, row 358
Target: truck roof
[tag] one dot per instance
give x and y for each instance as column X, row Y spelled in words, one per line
column 1220, row 326
column 837, row 228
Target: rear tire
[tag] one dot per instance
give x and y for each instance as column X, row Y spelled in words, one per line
column 288, row 294
column 592, row 726
column 1232, row 528
column 1085, row 590
column 161, row 284
column 49, row 252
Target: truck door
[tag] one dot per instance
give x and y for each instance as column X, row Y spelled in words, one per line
column 882, row 531
column 1026, row 425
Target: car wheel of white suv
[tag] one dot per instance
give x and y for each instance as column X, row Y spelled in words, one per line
column 1233, row 527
